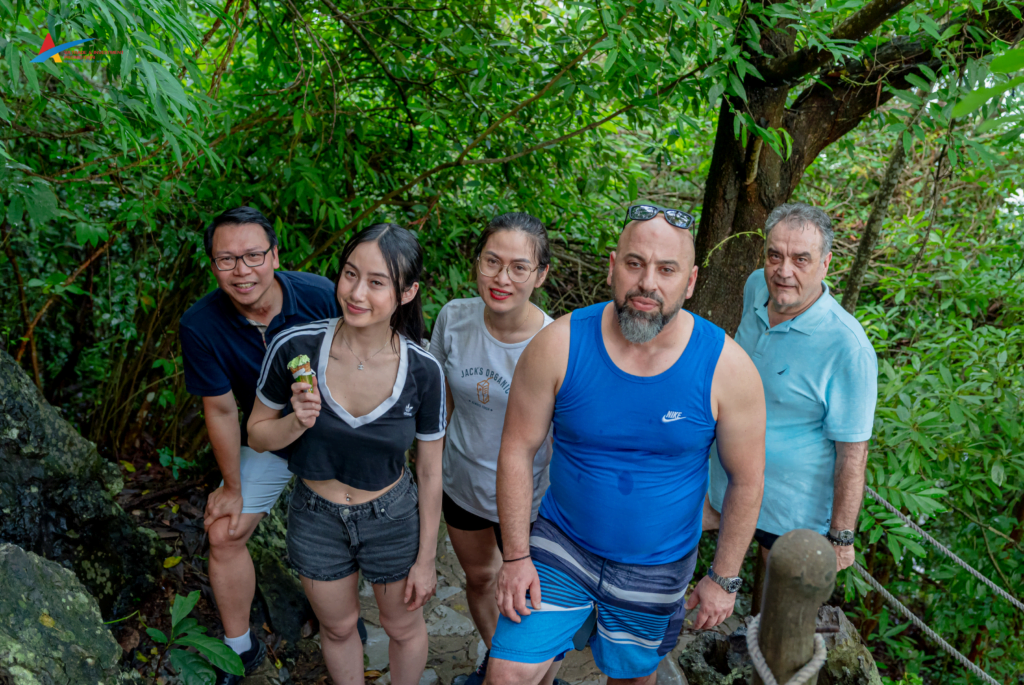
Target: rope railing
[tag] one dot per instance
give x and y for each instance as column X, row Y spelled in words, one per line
column 908, row 614
column 895, row 603
column 963, row 564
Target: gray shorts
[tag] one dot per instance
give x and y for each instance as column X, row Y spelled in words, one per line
column 329, row 541
column 264, row 476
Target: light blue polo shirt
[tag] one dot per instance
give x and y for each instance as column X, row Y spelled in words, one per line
column 820, row 377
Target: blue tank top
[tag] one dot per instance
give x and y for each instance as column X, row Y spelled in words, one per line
column 629, row 467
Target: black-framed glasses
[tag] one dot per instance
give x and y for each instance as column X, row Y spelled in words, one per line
column 491, row 267
column 250, row 259
column 676, row 217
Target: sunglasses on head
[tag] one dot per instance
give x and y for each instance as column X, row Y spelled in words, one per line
column 676, row 217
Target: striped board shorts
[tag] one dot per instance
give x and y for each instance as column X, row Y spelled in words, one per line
column 639, row 608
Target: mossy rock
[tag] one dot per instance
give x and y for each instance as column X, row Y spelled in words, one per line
column 51, row 631
column 57, row 496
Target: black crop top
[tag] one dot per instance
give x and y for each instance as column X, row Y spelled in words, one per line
column 366, row 452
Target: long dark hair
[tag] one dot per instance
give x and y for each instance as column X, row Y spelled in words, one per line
column 519, row 221
column 404, row 257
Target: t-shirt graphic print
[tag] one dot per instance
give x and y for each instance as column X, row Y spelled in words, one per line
column 479, row 369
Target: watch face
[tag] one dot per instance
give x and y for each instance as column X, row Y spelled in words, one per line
column 734, row 584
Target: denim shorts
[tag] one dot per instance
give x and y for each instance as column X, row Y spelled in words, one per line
column 330, row 541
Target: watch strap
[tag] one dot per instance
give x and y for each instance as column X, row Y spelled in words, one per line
column 844, row 538
column 730, row 585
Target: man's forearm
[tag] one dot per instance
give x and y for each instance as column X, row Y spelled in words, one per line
column 851, row 462
column 515, row 502
column 226, row 439
column 740, row 508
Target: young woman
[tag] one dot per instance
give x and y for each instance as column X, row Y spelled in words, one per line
column 356, row 507
column 478, row 342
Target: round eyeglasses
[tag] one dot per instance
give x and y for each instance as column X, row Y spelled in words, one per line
column 492, row 266
column 250, row 259
column 676, row 217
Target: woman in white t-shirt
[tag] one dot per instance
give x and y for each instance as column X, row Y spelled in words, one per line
column 478, row 342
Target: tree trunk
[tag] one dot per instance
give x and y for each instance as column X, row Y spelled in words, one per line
column 830, row 106
column 879, row 210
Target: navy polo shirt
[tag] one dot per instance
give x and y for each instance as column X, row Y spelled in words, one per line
column 223, row 351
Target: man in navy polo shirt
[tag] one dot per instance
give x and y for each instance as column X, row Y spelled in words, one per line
column 223, row 339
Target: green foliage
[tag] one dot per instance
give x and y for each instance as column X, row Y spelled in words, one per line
column 186, row 632
column 944, row 307
column 329, row 116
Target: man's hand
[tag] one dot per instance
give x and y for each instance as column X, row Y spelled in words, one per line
column 844, row 556
column 306, row 405
column 223, row 501
column 716, row 604
column 514, row 579
column 420, row 585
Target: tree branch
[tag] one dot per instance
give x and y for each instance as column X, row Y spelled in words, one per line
column 850, row 94
column 5, row 231
column 853, row 28
column 52, row 136
column 475, row 162
column 53, row 298
column 879, row 210
column 541, row 93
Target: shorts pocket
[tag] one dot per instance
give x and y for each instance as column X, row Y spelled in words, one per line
column 299, row 501
column 404, row 508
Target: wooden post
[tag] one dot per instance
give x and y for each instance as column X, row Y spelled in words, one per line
column 801, row 575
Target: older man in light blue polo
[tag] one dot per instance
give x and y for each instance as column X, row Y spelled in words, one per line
column 820, row 379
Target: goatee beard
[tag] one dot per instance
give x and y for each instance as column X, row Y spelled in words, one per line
column 642, row 327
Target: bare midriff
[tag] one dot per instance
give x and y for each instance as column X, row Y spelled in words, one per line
column 340, row 493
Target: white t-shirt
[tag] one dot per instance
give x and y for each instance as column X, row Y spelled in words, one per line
column 479, row 370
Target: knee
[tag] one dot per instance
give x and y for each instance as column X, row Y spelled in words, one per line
column 340, row 631
column 403, row 628
column 222, row 541
column 481, row 579
column 501, row 672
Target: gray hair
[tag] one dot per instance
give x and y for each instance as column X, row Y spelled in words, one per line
column 801, row 214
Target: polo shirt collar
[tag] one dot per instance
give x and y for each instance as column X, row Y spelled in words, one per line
column 806, row 322
column 288, row 306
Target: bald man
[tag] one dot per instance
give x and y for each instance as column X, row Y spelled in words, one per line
column 637, row 390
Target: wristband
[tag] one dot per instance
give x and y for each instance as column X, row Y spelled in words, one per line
column 509, row 561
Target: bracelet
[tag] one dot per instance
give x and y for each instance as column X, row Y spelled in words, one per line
column 509, row 561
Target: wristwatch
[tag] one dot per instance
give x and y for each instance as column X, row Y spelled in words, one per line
column 730, row 585
column 841, row 538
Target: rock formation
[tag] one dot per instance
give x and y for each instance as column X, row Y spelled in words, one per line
column 57, row 496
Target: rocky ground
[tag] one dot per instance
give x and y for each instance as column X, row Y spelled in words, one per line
column 455, row 646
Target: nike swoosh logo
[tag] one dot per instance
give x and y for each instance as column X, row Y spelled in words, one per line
column 670, row 419
column 58, row 48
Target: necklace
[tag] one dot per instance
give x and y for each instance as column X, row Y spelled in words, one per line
column 361, row 362
column 519, row 327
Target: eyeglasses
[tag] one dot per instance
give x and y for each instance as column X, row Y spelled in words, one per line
column 250, row 259
column 676, row 217
column 491, row 267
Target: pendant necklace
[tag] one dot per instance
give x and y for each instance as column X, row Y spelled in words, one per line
column 361, row 362
column 519, row 327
